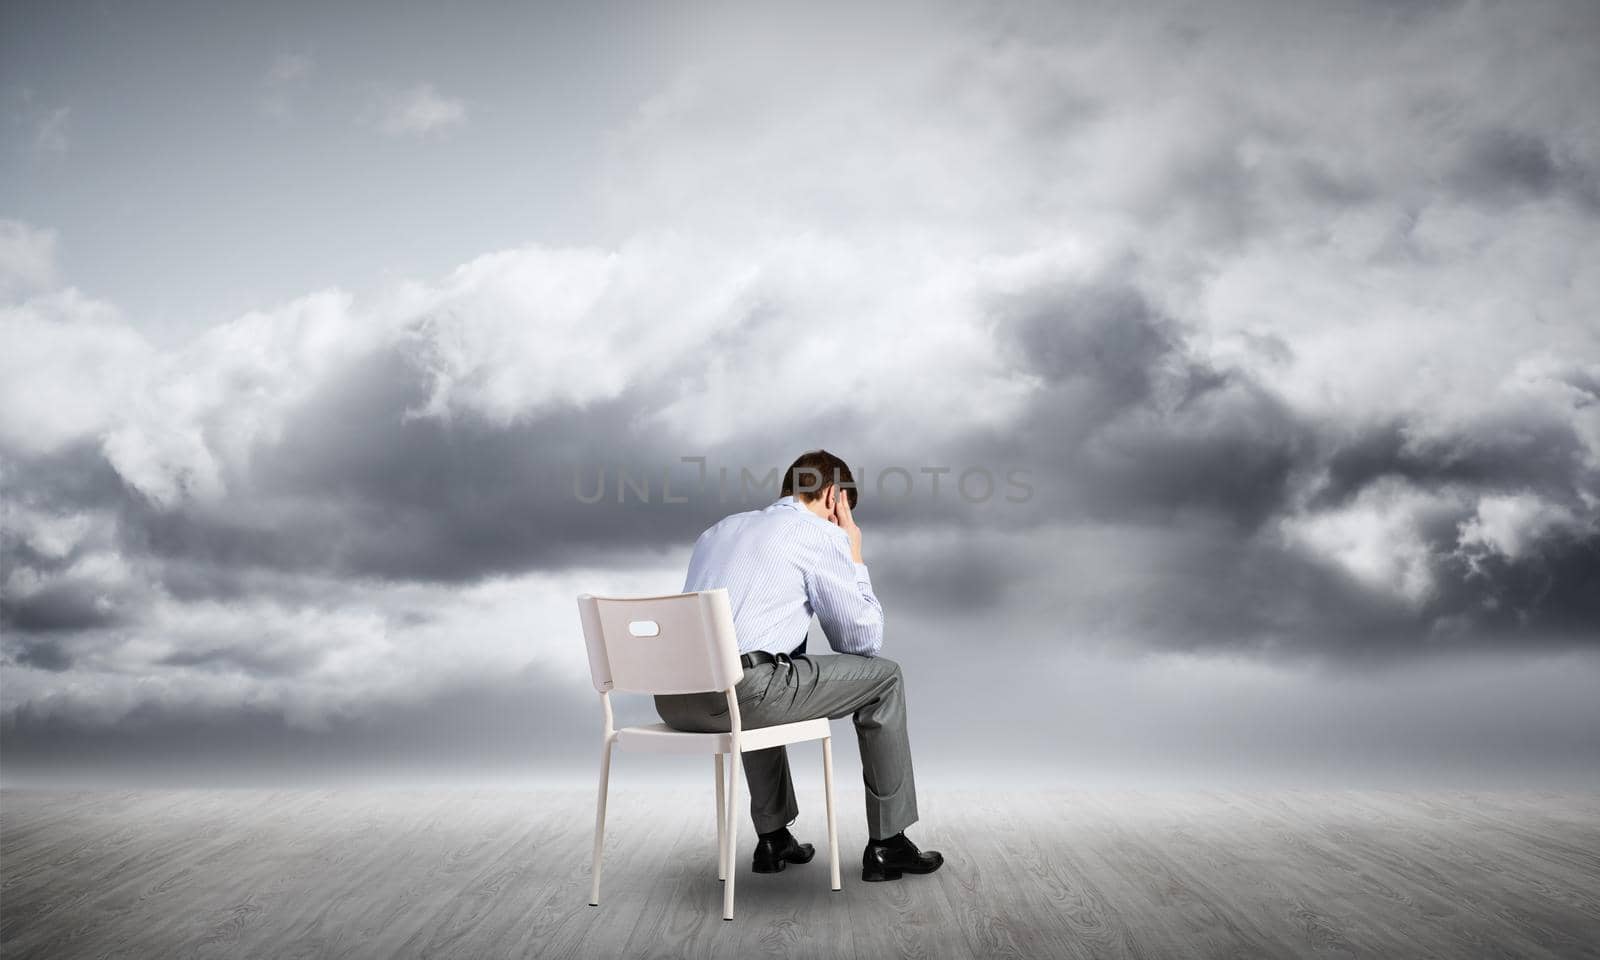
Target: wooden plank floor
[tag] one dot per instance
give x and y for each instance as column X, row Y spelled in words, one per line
column 1079, row 874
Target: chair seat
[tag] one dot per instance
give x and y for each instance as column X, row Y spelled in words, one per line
column 660, row 738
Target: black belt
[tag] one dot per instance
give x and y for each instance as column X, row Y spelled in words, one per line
column 762, row 656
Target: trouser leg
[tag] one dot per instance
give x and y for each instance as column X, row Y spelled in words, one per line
column 772, row 801
column 869, row 690
column 886, row 758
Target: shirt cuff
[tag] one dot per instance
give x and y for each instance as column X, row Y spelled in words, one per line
column 861, row 574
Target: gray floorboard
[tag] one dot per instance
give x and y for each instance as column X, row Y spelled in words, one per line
column 380, row 873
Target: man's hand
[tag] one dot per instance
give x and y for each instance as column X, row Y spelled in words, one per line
column 841, row 516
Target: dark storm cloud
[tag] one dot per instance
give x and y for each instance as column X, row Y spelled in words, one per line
column 1505, row 450
column 1506, row 165
column 1338, row 189
column 75, row 484
column 60, row 606
column 245, row 657
column 1105, row 332
column 1547, row 593
column 1205, row 589
column 1125, row 427
column 1129, row 428
column 43, row 654
column 1127, row 424
column 962, row 572
column 354, row 487
column 72, row 479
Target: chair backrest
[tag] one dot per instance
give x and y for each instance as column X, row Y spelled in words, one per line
column 681, row 643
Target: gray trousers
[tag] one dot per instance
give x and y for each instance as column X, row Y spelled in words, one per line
column 868, row 689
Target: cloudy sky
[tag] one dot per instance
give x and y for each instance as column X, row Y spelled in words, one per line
column 1275, row 327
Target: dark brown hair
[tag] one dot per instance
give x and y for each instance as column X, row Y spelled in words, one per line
column 807, row 476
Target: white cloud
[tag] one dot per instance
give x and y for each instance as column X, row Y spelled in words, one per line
column 420, row 111
column 1376, row 537
column 513, row 334
column 1508, row 524
column 202, row 407
column 69, row 368
column 47, row 533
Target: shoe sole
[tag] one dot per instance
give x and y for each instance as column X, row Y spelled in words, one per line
column 871, row 875
column 777, row 867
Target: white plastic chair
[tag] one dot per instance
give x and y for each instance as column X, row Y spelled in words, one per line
column 684, row 643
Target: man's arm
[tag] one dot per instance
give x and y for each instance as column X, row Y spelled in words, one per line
column 841, row 596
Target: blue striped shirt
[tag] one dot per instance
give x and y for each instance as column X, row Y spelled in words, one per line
column 781, row 565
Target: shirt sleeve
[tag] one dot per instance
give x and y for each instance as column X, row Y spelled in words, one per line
column 840, row 591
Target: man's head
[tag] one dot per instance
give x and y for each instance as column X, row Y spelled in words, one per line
column 814, row 472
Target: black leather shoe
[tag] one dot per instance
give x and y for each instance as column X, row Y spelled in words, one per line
column 776, row 850
column 888, row 859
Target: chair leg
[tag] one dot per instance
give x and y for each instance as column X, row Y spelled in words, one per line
column 600, row 821
column 732, row 832
column 722, row 821
column 833, row 823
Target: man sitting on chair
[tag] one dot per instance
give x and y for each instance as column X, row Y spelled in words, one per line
column 799, row 557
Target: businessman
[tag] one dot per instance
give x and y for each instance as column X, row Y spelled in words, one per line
column 799, row 557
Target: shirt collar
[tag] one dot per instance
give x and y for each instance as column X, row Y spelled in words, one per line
column 793, row 503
